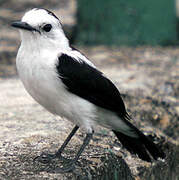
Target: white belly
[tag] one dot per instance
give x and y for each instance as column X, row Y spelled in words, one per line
column 44, row 85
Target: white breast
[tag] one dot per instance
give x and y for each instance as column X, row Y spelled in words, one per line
column 38, row 74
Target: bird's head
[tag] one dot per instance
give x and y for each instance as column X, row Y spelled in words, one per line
column 41, row 26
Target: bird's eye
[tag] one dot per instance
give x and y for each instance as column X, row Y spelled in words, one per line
column 47, row 27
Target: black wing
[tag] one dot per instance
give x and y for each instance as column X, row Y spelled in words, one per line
column 90, row 84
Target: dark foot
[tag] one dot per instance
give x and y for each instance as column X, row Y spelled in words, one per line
column 45, row 158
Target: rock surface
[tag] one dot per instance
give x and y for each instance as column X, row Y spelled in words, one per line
column 148, row 81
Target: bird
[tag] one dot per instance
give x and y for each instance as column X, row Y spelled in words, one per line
column 66, row 83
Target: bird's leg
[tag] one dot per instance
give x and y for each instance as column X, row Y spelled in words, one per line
column 72, row 163
column 60, row 150
column 46, row 158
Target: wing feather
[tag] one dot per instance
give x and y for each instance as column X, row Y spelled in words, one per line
column 89, row 83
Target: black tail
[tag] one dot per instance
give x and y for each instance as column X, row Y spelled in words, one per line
column 140, row 146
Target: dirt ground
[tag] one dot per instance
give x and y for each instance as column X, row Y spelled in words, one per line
column 148, row 79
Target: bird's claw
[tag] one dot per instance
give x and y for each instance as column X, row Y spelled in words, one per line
column 45, row 158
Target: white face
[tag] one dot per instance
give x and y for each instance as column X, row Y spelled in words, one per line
column 40, row 26
column 37, row 18
column 41, row 23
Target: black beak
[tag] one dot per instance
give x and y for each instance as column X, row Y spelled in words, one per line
column 23, row 25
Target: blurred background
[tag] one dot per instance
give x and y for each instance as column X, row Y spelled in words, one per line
column 129, row 23
column 136, row 43
column 114, row 23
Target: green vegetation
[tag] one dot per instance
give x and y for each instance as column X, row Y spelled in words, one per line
column 121, row 22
